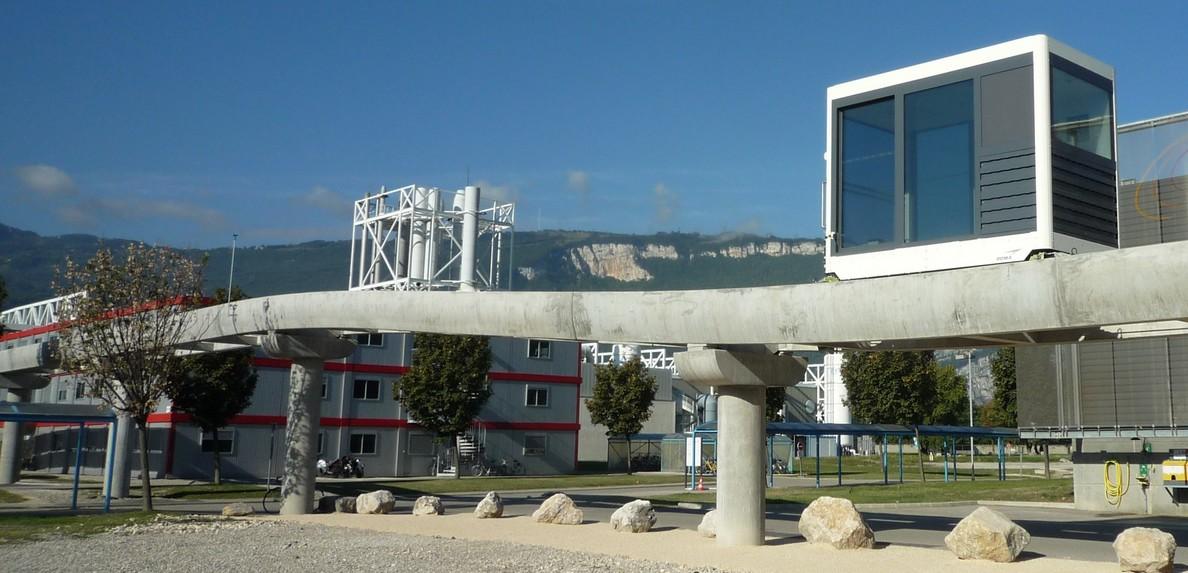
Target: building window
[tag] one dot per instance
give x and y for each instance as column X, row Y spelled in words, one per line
column 535, row 444
column 363, row 444
column 225, row 442
column 537, row 396
column 867, row 174
column 325, row 386
column 62, row 393
column 370, row 339
column 367, row 389
column 321, row 442
column 1082, row 113
column 80, row 390
column 420, row 445
column 939, row 174
column 540, row 349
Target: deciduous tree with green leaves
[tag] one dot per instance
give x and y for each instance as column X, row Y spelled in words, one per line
column 213, row 388
column 1003, row 410
column 891, row 388
column 122, row 334
column 622, row 401
column 446, row 385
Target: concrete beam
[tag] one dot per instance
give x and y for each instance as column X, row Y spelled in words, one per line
column 718, row 368
column 40, row 357
column 23, row 381
column 1064, row 299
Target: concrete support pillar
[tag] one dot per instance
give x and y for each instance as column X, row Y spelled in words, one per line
column 119, row 443
column 308, row 351
column 10, row 450
column 741, row 461
column 301, row 436
column 741, row 380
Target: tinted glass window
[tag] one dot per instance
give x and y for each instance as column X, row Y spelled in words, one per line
column 938, row 124
column 1081, row 114
column 867, row 174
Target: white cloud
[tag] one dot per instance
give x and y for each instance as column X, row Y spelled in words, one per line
column 46, row 180
column 666, row 203
column 501, row 193
column 88, row 212
column 579, row 182
column 322, row 198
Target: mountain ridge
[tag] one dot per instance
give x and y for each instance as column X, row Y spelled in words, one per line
column 546, row 260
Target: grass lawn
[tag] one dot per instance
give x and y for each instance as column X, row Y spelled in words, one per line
column 871, row 467
column 9, row 497
column 422, row 486
column 17, row 528
column 1059, row 490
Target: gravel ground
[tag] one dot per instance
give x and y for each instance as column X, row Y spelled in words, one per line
column 202, row 544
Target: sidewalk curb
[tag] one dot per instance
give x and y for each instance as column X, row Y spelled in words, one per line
column 1035, row 504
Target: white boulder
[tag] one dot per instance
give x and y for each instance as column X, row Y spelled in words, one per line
column 709, row 524
column 237, row 510
column 835, row 522
column 558, row 509
column 379, row 501
column 987, row 534
column 491, row 506
column 1145, row 550
column 428, row 505
column 634, row 517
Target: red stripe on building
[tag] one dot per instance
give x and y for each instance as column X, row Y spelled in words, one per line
column 18, row 334
column 526, row 377
column 259, row 420
column 390, row 369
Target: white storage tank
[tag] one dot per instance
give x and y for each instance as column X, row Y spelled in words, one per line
column 985, row 157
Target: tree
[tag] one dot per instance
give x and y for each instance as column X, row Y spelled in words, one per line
column 622, row 401
column 446, row 385
column 950, row 403
column 1002, row 369
column 213, row 388
column 121, row 335
column 891, row 388
column 775, row 403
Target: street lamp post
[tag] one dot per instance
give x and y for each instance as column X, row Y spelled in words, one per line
column 969, row 394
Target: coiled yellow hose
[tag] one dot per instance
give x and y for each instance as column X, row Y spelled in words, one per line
column 1114, row 490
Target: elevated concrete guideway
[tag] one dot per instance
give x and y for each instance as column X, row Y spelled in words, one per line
column 1064, row 299
column 731, row 332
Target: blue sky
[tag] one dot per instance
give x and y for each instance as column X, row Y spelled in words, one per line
column 185, row 122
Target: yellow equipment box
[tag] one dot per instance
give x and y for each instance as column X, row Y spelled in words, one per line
column 1175, row 470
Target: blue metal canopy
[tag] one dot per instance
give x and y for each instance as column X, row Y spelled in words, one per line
column 81, row 414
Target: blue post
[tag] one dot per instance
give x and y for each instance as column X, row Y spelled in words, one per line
column 901, row 459
column 78, row 461
column 818, row 447
column 110, row 463
column 945, row 458
column 884, row 459
column 1001, row 461
column 839, row 459
column 770, row 461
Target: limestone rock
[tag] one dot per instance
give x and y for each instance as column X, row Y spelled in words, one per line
column 491, row 506
column 835, row 522
column 558, row 509
column 379, row 501
column 987, row 534
column 237, row 510
column 634, row 517
column 428, row 505
column 709, row 524
column 1145, row 550
column 344, row 505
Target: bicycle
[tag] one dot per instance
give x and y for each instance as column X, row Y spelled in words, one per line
column 483, row 467
column 273, row 498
